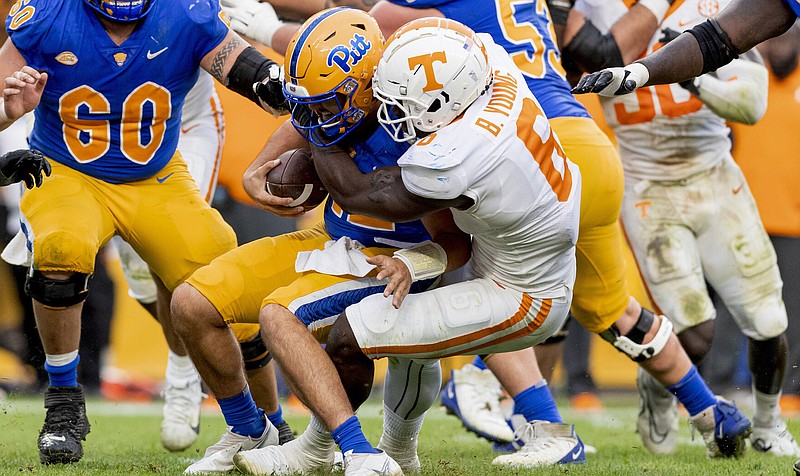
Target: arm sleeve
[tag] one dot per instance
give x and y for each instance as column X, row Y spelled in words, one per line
column 738, row 91
column 28, row 35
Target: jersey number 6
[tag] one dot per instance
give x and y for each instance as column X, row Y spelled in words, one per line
column 89, row 139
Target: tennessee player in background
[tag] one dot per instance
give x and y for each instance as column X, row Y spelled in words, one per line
column 705, row 48
column 110, row 126
column 333, row 57
column 502, row 175
column 691, row 219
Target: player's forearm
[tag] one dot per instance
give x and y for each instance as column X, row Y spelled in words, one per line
column 633, row 32
column 444, row 232
column 678, row 61
column 379, row 194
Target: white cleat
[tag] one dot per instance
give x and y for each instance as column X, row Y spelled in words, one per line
column 407, row 458
column 370, row 464
column 181, row 423
column 473, row 395
column 544, row 444
column 219, row 457
column 657, row 424
column 774, row 439
column 293, row 457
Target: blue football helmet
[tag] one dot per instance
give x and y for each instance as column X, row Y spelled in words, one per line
column 121, row 10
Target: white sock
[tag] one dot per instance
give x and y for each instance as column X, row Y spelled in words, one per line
column 59, row 360
column 317, row 440
column 767, row 409
column 180, row 370
column 400, row 437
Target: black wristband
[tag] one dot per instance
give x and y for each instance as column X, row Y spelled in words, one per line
column 715, row 45
column 249, row 68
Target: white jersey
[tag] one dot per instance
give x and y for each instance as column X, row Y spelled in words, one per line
column 664, row 132
column 503, row 154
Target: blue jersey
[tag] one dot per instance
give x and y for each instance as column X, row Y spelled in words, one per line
column 379, row 150
column 524, row 29
column 113, row 112
column 795, row 6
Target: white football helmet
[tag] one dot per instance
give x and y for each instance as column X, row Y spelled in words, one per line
column 431, row 70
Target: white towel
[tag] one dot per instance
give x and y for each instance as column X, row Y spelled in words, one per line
column 340, row 257
column 16, row 252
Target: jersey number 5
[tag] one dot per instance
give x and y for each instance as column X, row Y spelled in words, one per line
column 88, row 139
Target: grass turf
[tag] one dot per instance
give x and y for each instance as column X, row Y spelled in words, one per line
column 125, row 441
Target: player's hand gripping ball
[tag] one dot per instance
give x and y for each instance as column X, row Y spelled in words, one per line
column 297, row 178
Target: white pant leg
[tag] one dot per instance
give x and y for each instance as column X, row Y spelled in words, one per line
column 473, row 317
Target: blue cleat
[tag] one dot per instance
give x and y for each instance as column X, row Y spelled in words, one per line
column 724, row 428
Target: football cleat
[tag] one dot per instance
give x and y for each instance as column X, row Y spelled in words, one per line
column 285, row 433
column 544, row 444
column 724, row 428
column 65, row 425
column 407, row 458
column 181, row 423
column 473, row 395
column 657, row 424
column 774, row 439
column 218, row 458
column 297, row 456
column 370, row 464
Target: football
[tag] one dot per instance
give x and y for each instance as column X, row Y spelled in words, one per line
column 297, row 178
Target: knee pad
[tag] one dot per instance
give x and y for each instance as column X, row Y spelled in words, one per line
column 254, row 353
column 57, row 293
column 631, row 343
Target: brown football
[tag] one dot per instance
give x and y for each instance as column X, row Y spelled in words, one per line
column 297, row 178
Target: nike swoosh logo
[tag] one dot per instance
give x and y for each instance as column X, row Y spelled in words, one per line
column 153, row 55
column 164, row 178
column 683, row 23
column 577, row 453
column 184, row 131
column 737, row 189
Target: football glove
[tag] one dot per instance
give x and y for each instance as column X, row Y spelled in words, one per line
column 253, row 19
column 612, row 82
column 270, row 92
column 25, row 165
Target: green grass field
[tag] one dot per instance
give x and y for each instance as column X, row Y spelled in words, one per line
column 124, row 441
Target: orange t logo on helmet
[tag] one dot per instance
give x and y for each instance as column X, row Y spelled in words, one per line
column 426, row 61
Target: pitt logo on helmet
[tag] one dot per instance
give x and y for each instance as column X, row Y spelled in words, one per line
column 345, row 58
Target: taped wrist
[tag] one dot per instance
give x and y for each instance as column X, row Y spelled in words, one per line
column 250, row 67
column 715, row 45
column 593, row 50
column 659, row 8
column 424, row 260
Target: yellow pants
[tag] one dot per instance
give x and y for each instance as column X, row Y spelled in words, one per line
column 601, row 293
column 164, row 218
column 239, row 283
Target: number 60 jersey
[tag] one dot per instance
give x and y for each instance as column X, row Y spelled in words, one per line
column 113, row 111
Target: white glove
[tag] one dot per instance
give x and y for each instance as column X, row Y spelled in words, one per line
column 254, row 19
column 612, row 82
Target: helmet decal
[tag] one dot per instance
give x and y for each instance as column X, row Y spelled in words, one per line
column 345, row 57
